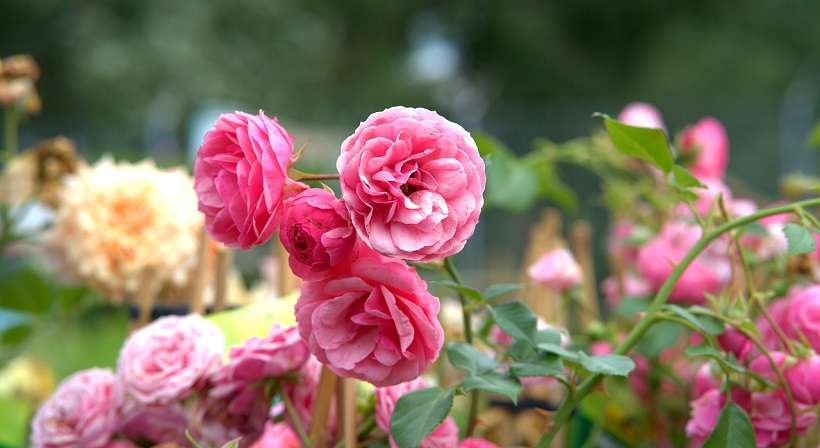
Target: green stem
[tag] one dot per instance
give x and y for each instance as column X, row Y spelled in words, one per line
column 10, row 133
column 562, row 415
column 472, row 416
column 329, row 176
column 297, row 422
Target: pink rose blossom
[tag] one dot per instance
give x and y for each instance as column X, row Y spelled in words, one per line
column 735, row 342
column 704, row 381
column 240, row 176
column 771, row 418
column 556, row 270
column 641, row 114
column 303, row 393
column 477, row 442
column 83, row 412
column 278, row 435
column 163, row 361
column 444, row 435
column 798, row 316
column 376, row 322
column 155, row 424
column 707, row 141
column 230, row 411
column 600, row 348
column 316, row 232
column 619, row 245
column 121, row 444
column 800, row 374
column 708, row 274
column 413, row 183
column 705, row 412
column 708, row 197
column 633, row 287
column 277, row 354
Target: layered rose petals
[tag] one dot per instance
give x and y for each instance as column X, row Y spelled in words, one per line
column 413, row 183
column 240, row 177
column 376, row 321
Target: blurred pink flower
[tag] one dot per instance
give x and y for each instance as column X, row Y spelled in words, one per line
column 798, row 315
column 641, row 114
column 282, row 351
column 376, row 322
column 708, row 274
column 633, row 287
column 163, row 361
column 705, row 412
column 618, row 244
column 707, row 141
column 278, row 435
column 735, row 342
column 708, row 197
column 704, row 381
column 556, row 270
column 800, row 374
column 600, row 348
column 477, row 442
column 316, row 232
column 240, row 175
column 83, row 412
column 155, row 424
column 444, row 435
column 771, row 418
column 413, row 183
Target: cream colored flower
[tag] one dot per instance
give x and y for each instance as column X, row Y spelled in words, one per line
column 119, row 223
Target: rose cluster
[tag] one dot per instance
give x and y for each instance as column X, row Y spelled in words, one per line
column 412, row 188
column 171, row 377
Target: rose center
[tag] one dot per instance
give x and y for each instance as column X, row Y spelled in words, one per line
column 408, row 189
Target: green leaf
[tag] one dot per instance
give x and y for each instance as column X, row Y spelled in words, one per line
column 644, row 143
column 500, row 289
column 712, row 353
column 233, row 443
column 516, row 319
column 733, row 429
column 558, row 350
column 705, row 324
column 755, row 228
column 418, row 413
column 550, row 185
column 631, row 307
column 470, row 293
column 487, row 144
column 800, row 239
column 682, row 178
column 511, row 185
column 659, row 337
column 541, row 364
column 14, row 415
column 468, row 358
column 495, row 382
column 607, row 364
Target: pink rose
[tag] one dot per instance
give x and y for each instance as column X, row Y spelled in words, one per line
column 163, row 361
column 376, row 321
column 619, row 245
column 316, row 232
column 708, row 143
column 413, row 183
column 600, row 348
column 278, row 435
column 708, row 197
column 121, row 444
column 477, row 442
column 556, row 270
column 800, row 374
column 704, row 381
column 633, row 287
column 705, row 412
column 798, row 316
column 641, row 114
column 771, row 418
column 155, row 424
column 708, row 274
column 277, row 354
column 303, row 393
column 240, row 176
column 445, row 435
column 735, row 342
column 83, row 412
column 230, row 411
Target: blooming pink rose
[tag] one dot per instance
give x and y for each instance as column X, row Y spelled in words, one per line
column 735, row 342
column 619, row 245
column 556, row 270
column 83, row 412
column 376, row 322
column 705, row 413
column 303, row 393
column 155, row 424
column 707, row 141
column 708, row 197
column 641, row 114
column 800, row 374
column 120, row 444
column 278, row 435
column 163, row 361
column 413, row 183
column 709, row 273
column 798, row 316
column 277, row 354
column 477, row 442
column 600, row 348
column 633, row 287
column 240, row 176
column 704, row 381
column 444, row 435
column 230, row 411
column 771, row 418
column 316, row 232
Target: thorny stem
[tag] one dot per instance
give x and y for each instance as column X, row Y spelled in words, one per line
column 562, row 415
column 472, row 416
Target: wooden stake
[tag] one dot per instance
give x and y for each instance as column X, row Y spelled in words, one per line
column 346, row 410
column 321, row 408
column 544, row 236
column 200, row 274
column 581, row 235
column 146, row 296
column 224, row 260
column 287, row 281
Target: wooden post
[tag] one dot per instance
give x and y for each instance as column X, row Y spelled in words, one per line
column 147, row 295
column 346, row 410
column 581, row 235
column 200, row 274
column 287, row 281
column 321, row 408
column 544, row 236
column 224, row 260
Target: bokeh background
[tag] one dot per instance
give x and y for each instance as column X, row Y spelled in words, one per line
column 146, row 78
